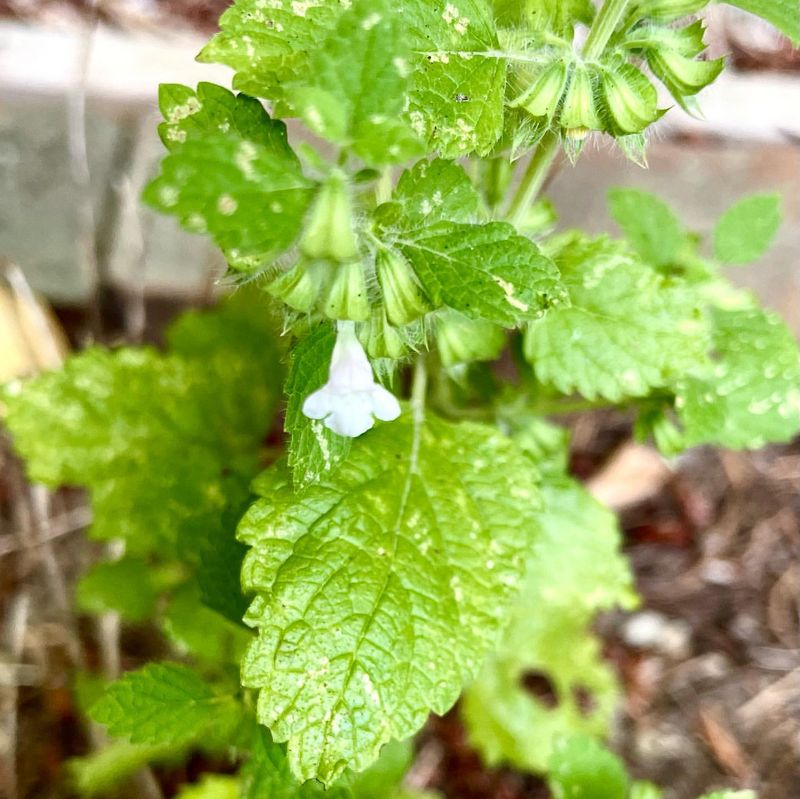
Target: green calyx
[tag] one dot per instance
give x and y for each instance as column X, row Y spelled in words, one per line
column 672, row 55
column 301, row 286
column 462, row 340
column 683, row 76
column 347, row 296
column 630, row 99
column 329, row 232
column 579, row 114
column 403, row 296
column 543, row 96
column 381, row 339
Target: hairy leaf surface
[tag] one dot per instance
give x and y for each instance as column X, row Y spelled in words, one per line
column 269, row 44
column 355, row 91
column 459, row 77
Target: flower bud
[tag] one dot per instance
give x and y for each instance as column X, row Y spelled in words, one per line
column 681, row 74
column 630, row 98
column 463, row 340
column 402, row 293
column 329, row 230
column 543, row 96
column 579, row 113
column 301, row 286
column 346, row 297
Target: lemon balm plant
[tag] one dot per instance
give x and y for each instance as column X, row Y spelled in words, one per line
column 420, row 538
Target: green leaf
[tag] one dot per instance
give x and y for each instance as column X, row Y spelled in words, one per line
column 459, row 77
column 783, row 14
column 430, row 192
column 165, row 443
column 575, row 570
column 269, row 45
column 380, row 590
column 750, row 395
column 628, row 329
column 163, row 703
column 99, row 772
column 267, row 774
column 486, row 272
column 730, row 795
column 552, row 16
column 194, row 628
column 314, row 451
column 127, row 586
column 649, row 224
column 355, row 92
column 385, row 774
column 211, row 786
column 230, row 173
column 745, row 231
column 645, row 790
column 580, row 766
column 217, row 557
column 212, row 110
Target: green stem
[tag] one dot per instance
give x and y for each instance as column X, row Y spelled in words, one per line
column 533, row 178
column 605, row 23
column 419, row 388
column 558, row 407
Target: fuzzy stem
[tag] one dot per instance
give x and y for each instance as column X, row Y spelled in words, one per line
column 533, row 178
column 605, row 23
column 419, row 388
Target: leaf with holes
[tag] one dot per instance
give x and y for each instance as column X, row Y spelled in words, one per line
column 575, row 570
column 380, row 589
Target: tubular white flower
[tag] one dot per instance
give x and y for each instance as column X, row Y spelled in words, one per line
column 351, row 400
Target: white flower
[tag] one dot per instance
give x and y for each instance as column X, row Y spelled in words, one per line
column 351, row 400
